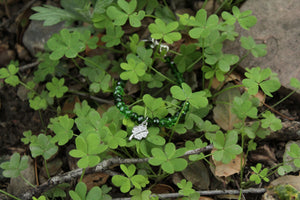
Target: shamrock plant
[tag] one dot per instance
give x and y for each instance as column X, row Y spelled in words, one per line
column 259, row 174
column 126, row 183
column 161, row 69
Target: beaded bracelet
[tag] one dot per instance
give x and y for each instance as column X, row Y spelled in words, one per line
column 141, row 131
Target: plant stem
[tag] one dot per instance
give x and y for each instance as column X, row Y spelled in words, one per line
column 82, row 174
column 173, row 129
column 46, row 168
column 229, row 88
column 27, row 181
column 10, row 195
column 160, row 74
column 283, row 99
column 192, row 65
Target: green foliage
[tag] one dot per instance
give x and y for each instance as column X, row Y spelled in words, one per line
column 40, row 198
column 38, row 103
column 103, row 132
column 243, row 107
column 95, row 193
column 287, row 191
column 187, row 57
column 87, row 149
column 134, row 70
column 161, row 30
column 28, row 137
column 138, row 194
column 257, row 50
column 65, row 43
column 189, row 145
column 263, row 78
column 9, row 74
column 294, row 152
column 169, row 158
column 62, row 127
column 184, row 93
column 259, row 174
column 271, row 121
column 203, row 25
column 73, row 11
column 15, row 166
column 126, row 183
column 56, row 87
column 124, row 12
column 43, row 146
column 226, row 146
column 295, row 83
column 245, row 19
column 113, row 36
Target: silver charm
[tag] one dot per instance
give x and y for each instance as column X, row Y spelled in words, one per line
column 140, row 131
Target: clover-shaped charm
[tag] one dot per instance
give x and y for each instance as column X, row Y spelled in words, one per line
column 140, row 131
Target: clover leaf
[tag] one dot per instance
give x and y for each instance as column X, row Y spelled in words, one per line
column 138, row 194
column 257, row 50
column 124, row 12
column 259, row 174
column 294, row 152
column 9, row 74
column 184, row 93
column 38, row 103
column 125, row 183
column 80, row 192
column 263, row 78
column 227, row 147
column 133, row 71
column 203, row 26
column 87, row 149
column 161, row 30
column 115, row 138
column 243, row 107
column 46, row 66
column 189, row 145
column 169, row 158
column 56, row 87
column 156, row 107
column 89, row 41
column 187, row 57
column 28, row 137
column 62, row 127
column 65, row 43
column 186, row 187
column 295, row 83
column 270, row 120
column 14, row 166
column 113, row 36
column 43, row 146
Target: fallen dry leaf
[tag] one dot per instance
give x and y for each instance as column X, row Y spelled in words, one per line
column 222, row 112
column 229, row 169
column 162, row 189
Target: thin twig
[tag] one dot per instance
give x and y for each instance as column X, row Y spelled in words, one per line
column 30, row 65
column 209, row 193
column 102, row 166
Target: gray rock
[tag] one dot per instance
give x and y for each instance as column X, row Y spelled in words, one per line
column 278, row 26
column 37, row 35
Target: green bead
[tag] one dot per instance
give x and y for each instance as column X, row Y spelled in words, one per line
column 163, row 122
column 121, row 83
column 133, row 116
column 120, row 104
column 140, row 119
column 155, row 121
column 127, row 113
